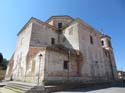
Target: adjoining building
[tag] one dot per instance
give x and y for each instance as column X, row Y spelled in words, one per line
column 121, row 75
column 61, row 50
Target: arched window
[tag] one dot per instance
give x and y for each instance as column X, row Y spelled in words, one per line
column 102, row 42
column 91, row 39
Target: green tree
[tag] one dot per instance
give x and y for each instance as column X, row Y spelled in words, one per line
column 4, row 64
column 1, row 59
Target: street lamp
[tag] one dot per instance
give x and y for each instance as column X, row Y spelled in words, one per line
column 40, row 56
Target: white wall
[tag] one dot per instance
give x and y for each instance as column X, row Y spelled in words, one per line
column 71, row 40
column 21, row 51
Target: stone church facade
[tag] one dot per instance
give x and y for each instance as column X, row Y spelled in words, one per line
column 61, row 50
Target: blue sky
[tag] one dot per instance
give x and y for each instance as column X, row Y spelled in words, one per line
column 108, row 15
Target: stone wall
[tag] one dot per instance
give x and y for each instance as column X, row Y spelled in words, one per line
column 54, row 67
column 96, row 65
column 2, row 74
column 41, row 35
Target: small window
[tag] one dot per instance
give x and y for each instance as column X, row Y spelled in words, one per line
column 59, row 25
column 52, row 41
column 65, row 65
column 102, row 42
column 91, row 39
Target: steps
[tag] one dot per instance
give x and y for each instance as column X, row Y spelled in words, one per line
column 19, row 87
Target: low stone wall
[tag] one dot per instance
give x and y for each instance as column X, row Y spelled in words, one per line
column 2, row 74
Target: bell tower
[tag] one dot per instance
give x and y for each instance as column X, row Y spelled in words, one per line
column 106, row 44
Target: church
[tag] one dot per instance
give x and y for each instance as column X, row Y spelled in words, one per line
column 61, row 50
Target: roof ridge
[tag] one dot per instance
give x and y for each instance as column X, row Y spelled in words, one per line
column 58, row 16
column 37, row 20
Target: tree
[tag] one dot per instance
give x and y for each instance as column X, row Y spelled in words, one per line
column 3, row 62
column 1, row 59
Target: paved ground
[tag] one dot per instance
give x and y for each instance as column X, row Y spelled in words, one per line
column 95, row 90
column 87, row 90
column 118, row 88
column 4, row 90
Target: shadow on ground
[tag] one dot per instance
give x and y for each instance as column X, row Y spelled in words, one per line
column 90, row 89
